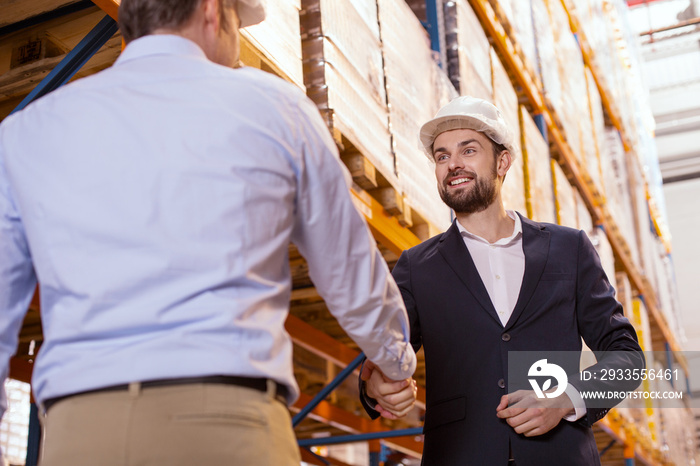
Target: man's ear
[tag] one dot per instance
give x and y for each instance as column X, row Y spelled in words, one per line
column 211, row 14
column 505, row 160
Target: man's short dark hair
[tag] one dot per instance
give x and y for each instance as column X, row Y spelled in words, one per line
column 138, row 18
column 497, row 148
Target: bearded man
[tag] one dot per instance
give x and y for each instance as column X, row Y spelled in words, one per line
column 493, row 286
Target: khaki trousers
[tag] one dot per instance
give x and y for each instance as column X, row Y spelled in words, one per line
column 194, row 424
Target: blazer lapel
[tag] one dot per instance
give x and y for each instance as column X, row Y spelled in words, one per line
column 536, row 249
column 456, row 254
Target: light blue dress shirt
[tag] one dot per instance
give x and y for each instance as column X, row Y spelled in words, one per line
column 155, row 202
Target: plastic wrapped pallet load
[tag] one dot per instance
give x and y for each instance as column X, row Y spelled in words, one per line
column 519, row 16
column 572, row 108
column 546, row 54
column 416, row 89
column 567, row 212
column 583, row 216
column 474, row 54
column 344, row 75
column 506, row 99
column 595, row 147
column 617, row 186
column 537, row 169
column 605, row 252
column 279, row 38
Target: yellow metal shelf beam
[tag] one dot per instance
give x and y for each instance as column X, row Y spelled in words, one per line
column 111, row 7
column 386, row 228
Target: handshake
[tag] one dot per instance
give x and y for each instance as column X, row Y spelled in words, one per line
column 394, row 398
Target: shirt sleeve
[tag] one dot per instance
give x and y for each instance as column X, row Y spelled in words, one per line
column 577, row 401
column 17, row 278
column 344, row 262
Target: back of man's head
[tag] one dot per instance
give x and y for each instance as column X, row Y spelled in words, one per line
column 138, row 18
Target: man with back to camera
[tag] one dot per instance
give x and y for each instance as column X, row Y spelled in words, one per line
column 156, row 210
column 493, row 285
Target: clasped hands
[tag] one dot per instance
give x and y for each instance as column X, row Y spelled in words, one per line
column 395, row 398
column 522, row 410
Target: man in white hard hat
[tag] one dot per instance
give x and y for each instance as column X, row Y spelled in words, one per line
column 493, row 287
column 155, row 203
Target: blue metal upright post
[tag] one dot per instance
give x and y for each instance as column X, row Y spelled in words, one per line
column 75, row 59
column 542, row 126
column 433, row 26
column 327, row 389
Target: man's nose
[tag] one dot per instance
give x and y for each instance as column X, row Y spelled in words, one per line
column 456, row 162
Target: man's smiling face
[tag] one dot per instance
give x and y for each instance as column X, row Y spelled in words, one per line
column 465, row 168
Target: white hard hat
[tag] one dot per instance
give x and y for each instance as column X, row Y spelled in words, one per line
column 467, row 112
column 250, row 12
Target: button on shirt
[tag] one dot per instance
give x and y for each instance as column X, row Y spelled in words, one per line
column 155, row 202
column 501, row 266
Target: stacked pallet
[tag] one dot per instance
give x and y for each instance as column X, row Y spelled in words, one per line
column 469, row 51
column 416, row 89
column 344, row 75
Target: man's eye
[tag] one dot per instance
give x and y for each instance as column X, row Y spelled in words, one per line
column 441, row 157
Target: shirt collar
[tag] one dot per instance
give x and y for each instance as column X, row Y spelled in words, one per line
column 160, row 44
column 517, row 231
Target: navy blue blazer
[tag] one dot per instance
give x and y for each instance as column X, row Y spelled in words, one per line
column 565, row 296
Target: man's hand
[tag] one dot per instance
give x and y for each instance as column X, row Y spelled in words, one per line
column 395, row 398
column 531, row 416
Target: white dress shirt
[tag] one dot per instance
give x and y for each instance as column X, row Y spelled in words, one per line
column 501, row 266
column 155, row 203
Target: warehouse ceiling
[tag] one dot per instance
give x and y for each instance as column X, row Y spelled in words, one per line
column 670, row 37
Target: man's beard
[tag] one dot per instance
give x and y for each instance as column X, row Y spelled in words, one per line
column 475, row 199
